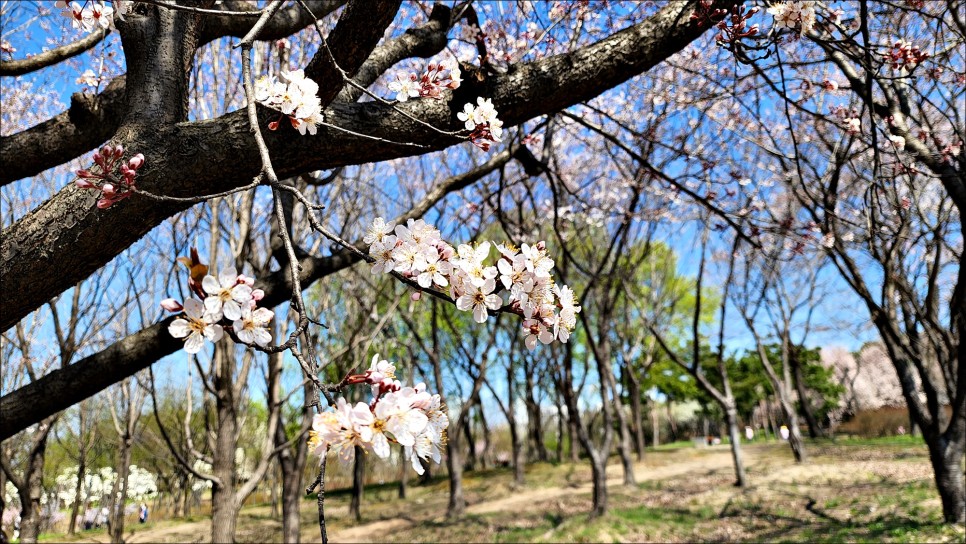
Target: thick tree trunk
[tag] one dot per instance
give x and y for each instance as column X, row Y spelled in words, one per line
column 292, row 491
column 30, row 500
column 358, row 483
column 223, row 515
column 734, row 436
column 947, row 465
column 224, row 509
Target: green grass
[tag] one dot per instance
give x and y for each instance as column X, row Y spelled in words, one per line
column 899, row 440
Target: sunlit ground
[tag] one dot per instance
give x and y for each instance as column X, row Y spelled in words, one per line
column 870, row 490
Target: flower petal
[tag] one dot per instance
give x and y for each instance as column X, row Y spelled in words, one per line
column 210, row 285
column 179, row 328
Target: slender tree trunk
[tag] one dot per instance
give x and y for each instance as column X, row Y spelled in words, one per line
column 186, row 497
column 117, row 510
column 795, row 439
column 516, row 447
column 358, row 483
column 81, row 471
column 598, row 469
column 572, row 441
column 625, row 447
column 558, row 454
column 454, row 463
column 471, row 458
column 734, row 436
column 655, row 425
column 814, row 429
column 486, row 458
column 403, row 473
column 637, row 416
column 538, row 450
column 273, row 494
column 671, row 424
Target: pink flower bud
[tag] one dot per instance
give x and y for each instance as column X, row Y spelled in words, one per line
column 124, row 168
column 118, row 151
column 104, row 203
column 136, row 161
column 171, row 305
column 416, row 296
column 107, row 151
column 84, row 184
column 257, row 294
column 249, row 281
column 108, row 190
column 84, row 174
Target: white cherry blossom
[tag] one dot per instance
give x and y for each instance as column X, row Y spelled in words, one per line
column 226, row 297
column 196, row 327
column 252, row 326
column 479, row 299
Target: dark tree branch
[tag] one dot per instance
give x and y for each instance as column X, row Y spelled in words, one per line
column 359, row 29
column 52, row 57
column 89, row 122
column 66, row 238
column 63, row 388
column 93, row 119
column 423, row 41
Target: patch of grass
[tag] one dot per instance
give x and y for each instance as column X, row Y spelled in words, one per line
column 899, row 440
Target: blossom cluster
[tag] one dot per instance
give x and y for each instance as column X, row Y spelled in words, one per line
column 482, row 122
column 98, row 485
column 417, row 251
column 92, row 15
column 111, row 175
column 408, row 416
column 430, row 84
column 736, row 26
column 902, row 54
column 229, row 298
column 795, row 15
column 295, row 96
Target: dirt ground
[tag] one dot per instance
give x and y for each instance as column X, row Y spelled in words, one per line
column 843, row 493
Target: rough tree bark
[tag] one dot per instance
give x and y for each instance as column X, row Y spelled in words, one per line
column 67, row 238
